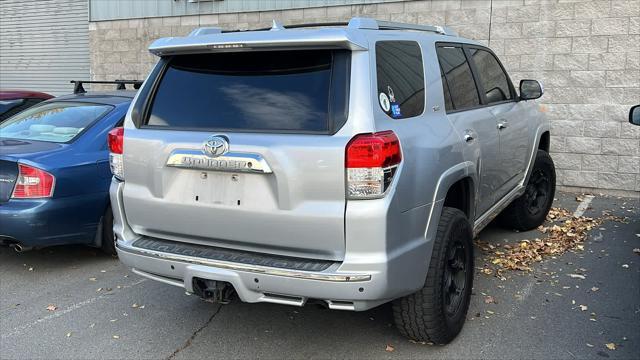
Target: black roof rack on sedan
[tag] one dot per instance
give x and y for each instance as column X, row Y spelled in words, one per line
column 121, row 84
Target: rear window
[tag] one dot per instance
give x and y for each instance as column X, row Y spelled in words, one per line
column 288, row 91
column 53, row 122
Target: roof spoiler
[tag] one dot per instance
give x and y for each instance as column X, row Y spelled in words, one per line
column 338, row 35
column 121, row 84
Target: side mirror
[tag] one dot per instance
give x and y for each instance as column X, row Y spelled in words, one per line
column 530, row 89
column 634, row 115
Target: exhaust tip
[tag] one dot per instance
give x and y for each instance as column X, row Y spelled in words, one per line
column 20, row 248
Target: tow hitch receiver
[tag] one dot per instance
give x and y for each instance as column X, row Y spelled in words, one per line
column 219, row 292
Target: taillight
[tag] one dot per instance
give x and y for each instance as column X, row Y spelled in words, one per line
column 115, row 139
column 33, row 183
column 371, row 162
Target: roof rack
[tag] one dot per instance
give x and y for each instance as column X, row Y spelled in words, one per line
column 359, row 23
column 121, row 84
column 373, row 24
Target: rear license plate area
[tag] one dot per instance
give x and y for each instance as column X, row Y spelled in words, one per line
column 218, row 188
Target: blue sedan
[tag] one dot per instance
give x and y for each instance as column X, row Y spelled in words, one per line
column 54, row 171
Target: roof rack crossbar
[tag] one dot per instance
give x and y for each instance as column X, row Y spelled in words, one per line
column 121, row 84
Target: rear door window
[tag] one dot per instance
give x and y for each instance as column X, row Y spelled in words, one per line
column 281, row 91
column 458, row 78
column 400, row 78
column 492, row 77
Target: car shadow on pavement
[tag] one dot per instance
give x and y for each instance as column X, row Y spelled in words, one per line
column 52, row 258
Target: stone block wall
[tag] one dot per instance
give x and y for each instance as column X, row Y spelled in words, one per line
column 586, row 53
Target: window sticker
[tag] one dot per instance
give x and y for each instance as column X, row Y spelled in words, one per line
column 395, row 110
column 384, row 102
column 395, row 107
column 392, row 97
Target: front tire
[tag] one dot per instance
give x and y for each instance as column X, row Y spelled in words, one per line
column 108, row 239
column 437, row 312
column 530, row 210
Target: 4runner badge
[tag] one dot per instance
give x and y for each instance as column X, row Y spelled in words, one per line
column 215, row 146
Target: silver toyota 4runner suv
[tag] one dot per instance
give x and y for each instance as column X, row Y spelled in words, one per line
column 350, row 164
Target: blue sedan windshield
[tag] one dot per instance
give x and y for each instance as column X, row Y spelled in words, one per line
column 58, row 122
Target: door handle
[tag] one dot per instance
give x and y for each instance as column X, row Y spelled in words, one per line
column 502, row 125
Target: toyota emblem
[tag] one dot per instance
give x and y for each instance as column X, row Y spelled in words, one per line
column 215, row 146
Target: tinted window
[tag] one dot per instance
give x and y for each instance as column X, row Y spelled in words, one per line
column 493, row 78
column 249, row 91
column 6, row 105
column 448, row 104
column 54, row 122
column 458, row 77
column 400, row 78
column 8, row 108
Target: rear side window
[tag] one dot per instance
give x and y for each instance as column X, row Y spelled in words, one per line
column 493, row 79
column 459, row 80
column 287, row 91
column 400, row 75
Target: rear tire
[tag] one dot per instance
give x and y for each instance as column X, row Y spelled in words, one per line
column 437, row 312
column 108, row 239
column 530, row 210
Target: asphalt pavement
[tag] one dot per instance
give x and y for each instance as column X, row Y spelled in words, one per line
column 72, row 302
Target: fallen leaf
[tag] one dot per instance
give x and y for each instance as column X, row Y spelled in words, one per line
column 610, row 346
column 563, row 232
column 576, row 276
column 389, row 348
column 594, row 289
column 490, row 312
column 135, row 306
column 52, row 307
column 116, row 336
column 93, row 279
column 99, row 289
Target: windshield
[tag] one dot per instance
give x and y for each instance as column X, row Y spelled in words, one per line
column 53, row 122
column 249, row 91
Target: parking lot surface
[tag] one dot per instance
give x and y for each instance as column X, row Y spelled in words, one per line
column 73, row 302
